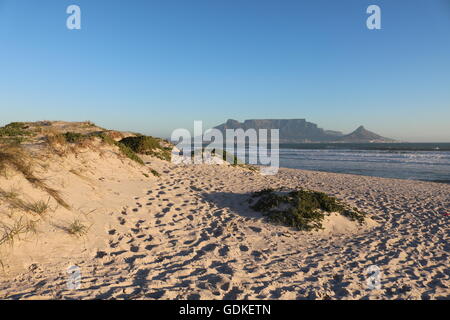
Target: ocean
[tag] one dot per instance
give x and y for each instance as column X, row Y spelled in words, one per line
column 413, row 161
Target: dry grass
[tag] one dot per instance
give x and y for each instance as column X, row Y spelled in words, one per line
column 14, row 231
column 56, row 143
column 12, row 194
column 77, row 228
column 56, row 139
column 16, row 158
column 38, row 207
column 80, row 175
column 68, row 142
column 12, row 198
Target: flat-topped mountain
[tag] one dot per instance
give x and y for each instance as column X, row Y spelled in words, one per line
column 301, row 131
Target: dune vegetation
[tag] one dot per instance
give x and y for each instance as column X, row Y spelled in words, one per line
column 302, row 209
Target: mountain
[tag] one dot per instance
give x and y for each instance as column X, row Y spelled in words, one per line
column 301, row 131
column 291, row 130
column 363, row 135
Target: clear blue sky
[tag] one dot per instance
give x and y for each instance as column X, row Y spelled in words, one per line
column 153, row 66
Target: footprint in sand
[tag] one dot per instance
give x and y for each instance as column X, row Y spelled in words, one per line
column 113, row 244
column 100, row 254
column 223, row 252
column 243, row 248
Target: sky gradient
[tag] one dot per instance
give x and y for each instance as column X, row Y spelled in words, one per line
column 153, row 66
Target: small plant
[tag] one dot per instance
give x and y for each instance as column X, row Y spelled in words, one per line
column 38, row 207
column 74, row 137
column 55, row 140
column 9, row 195
column 155, row 173
column 12, row 198
column 12, row 232
column 301, row 209
column 77, row 228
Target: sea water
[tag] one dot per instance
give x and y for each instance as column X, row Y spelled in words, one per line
column 414, row 161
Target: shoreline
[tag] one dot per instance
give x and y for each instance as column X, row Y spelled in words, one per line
column 446, row 182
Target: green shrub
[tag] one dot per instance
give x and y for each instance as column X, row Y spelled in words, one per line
column 128, row 152
column 147, row 145
column 155, row 173
column 74, row 137
column 14, row 129
column 141, row 144
column 14, row 133
column 104, row 137
column 124, row 149
column 301, row 209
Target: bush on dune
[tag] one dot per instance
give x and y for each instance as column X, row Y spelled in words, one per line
column 14, row 129
column 147, row 145
column 14, row 133
column 302, row 209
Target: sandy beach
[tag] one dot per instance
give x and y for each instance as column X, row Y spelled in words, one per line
column 190, row 234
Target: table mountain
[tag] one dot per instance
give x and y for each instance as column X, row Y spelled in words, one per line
column 301, row 131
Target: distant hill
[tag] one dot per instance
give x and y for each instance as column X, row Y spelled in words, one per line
column 363, row 135
column 302, row 131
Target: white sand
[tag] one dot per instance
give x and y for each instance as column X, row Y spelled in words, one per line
column 191, row 235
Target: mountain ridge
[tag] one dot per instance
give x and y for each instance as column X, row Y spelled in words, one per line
column 302, row 131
